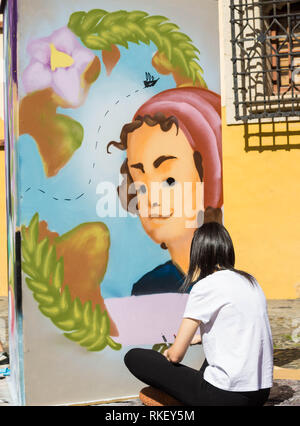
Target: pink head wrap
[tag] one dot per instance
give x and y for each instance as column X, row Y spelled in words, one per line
column 198, row 112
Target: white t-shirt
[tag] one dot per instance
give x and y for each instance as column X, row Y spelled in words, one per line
column 235, row 330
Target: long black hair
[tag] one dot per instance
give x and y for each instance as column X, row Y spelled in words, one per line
column 211, row 250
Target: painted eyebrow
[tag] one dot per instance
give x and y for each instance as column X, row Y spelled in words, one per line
column 139, row 166
column 161, row 159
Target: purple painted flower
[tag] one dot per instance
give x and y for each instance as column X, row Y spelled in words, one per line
column 58, row 61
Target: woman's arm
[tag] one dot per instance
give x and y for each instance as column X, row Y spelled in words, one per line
column 183, row 339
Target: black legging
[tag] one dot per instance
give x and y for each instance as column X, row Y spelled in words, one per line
column 186, row 384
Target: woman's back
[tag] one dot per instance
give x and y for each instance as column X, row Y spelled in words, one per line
column 235, row 331
column 231, row 310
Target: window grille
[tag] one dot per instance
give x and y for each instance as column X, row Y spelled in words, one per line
column 265, row 37
column 272, row 136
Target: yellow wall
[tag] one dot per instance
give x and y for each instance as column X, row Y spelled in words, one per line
column 262, row 209
column 3, row 253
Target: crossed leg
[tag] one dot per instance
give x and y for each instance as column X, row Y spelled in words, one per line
column 177, row 380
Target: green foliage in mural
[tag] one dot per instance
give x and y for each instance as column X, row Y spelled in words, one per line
column 99, row 30
column 83, row 325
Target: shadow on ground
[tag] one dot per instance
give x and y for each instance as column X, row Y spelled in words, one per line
column 279, row 394
column 285, row 356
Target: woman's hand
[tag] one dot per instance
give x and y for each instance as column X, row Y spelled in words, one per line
column 171, row 357
column 166, row 354
column 185, row 336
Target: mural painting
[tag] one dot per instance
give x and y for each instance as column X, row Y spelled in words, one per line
column 119, row 161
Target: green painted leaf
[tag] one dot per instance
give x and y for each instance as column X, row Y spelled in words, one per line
column 91, row 20
column 152, row 21
column 196, row 66
column 136, row 15
column 178, row 36
column 44, row 299
column 77, row 310
column 180, row 60
column 34, row 223
column 155, row 37
column 37, row 286
column 105, row 324
column 97, row 315
column 50, row 311
column 188, row 49
column 25, row 253
column 24, row 240
column 66, row 325
column 166, row 28
column 41, row 249
column 118, row 30
column 76, row 336
column 114, row 345
column 198, row 73
column 49, row 262
column 138, row 32
column 132, row 37
column 32, row 233
column 110, row 38
column 89, row 339
column 187, row 46
column 202, row 81
column 123, row 35
column 87, row 313
column 98, row 345
column 65, row 300
column 95, row 42
column 30, row 270
column 190, row 55
column 75, row 22
column 193, row 75
column 58, row 274
column 113, row 18
column 167, row 48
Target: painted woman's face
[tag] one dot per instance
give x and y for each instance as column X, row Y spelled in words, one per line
column 169, row 190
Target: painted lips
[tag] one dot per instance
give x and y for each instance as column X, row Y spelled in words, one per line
column 163, row 217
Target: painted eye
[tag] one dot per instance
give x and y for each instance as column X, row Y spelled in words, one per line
column 170, row 181
column 142, row 189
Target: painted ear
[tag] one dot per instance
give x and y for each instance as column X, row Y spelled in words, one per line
column 126, row 192
column 212, row 214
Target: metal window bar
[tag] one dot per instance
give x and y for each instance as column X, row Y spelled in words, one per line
column 265, row 38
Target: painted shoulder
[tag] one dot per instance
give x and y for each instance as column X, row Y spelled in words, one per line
column 165, row 278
